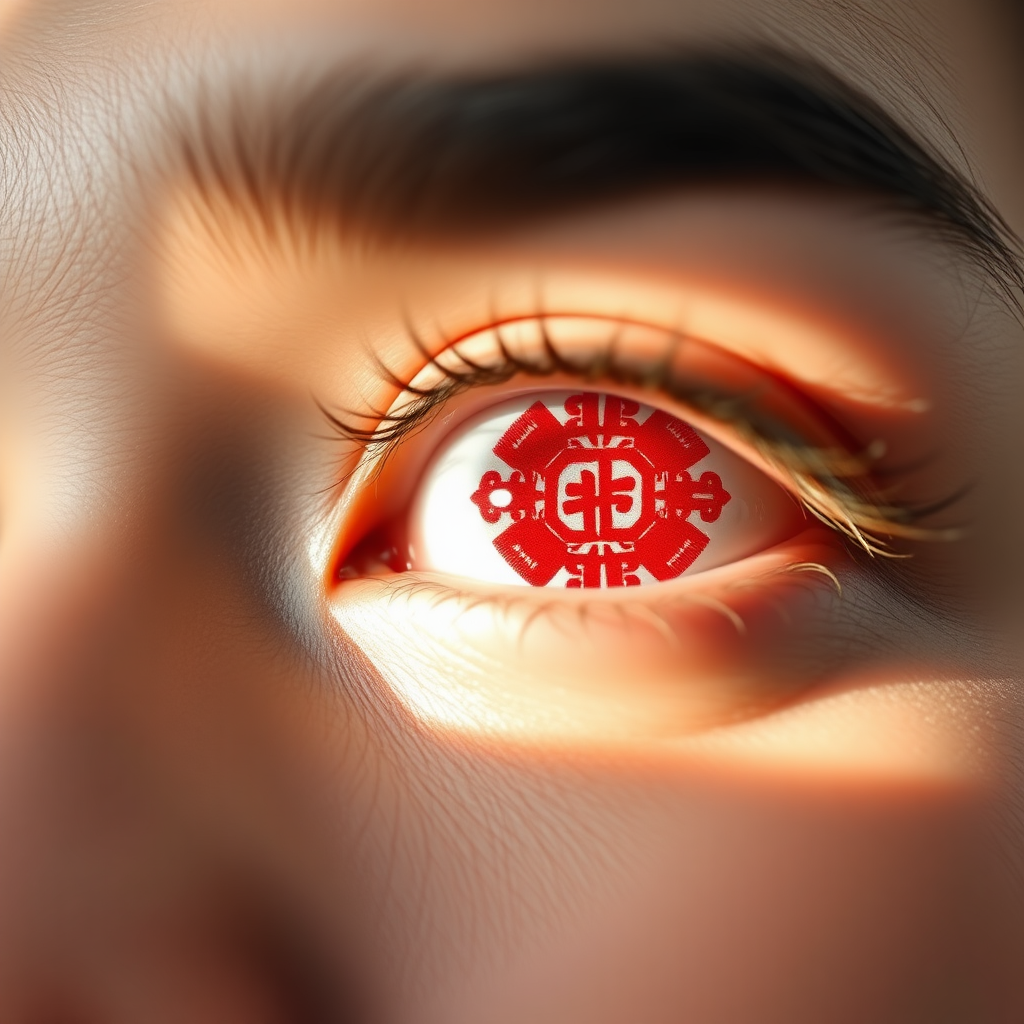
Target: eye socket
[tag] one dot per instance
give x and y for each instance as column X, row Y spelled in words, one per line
column 579, row 490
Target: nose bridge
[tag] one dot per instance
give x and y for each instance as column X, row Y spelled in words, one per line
column 73, row 623
column 121, row 654
column 63, row 795
column 133, row 627
column 60, row 600
column 136, row 685
column 104, row 565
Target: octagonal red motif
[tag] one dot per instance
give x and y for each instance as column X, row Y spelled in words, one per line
column 600, row 495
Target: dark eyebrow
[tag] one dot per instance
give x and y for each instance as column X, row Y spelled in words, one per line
column 412, row 155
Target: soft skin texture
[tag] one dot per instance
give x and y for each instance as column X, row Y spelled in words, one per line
column 234, row 789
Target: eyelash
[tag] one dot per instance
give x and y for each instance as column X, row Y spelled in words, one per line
column 819, row 478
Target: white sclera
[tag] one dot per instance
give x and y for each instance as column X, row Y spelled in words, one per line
column 449, row 534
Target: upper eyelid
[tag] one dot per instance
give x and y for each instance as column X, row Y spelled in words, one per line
column 708, row 397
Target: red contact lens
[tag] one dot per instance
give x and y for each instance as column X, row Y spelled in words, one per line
column 599, row 493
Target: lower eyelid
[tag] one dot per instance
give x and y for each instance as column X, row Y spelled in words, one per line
column 725, row 644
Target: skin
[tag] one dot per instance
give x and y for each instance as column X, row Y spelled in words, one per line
column 233, row 791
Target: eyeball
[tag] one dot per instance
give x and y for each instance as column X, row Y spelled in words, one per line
column 589, row 490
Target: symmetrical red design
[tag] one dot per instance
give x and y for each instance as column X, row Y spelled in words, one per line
column 600, row 495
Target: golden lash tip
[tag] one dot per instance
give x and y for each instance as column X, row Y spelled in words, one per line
column 821, row 570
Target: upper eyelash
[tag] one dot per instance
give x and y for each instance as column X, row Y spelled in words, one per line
column 821, row 479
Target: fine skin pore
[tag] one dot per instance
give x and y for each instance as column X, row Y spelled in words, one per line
column 249, row 775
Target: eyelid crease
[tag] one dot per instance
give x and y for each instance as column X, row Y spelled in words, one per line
column 832, row 483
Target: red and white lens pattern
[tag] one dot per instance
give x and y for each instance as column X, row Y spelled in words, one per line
column 580, row 489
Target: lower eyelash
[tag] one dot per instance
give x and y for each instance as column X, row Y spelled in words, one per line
column 525, row 608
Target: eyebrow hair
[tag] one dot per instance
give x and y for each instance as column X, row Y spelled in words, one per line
column 417, row 155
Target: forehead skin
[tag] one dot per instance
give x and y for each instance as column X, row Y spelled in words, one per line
column 155, row 603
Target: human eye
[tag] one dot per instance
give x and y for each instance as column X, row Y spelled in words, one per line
column 532, row 484
column 473, row 523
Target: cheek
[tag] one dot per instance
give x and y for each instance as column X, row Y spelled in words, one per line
column 757, row 905
column 705, row 892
